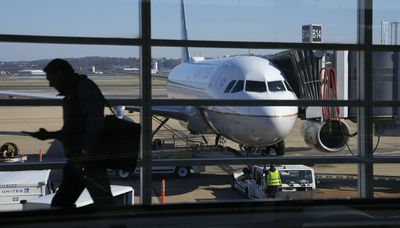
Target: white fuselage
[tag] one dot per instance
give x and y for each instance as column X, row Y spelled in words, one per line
column 241, row 78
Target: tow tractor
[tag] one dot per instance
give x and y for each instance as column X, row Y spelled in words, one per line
column 298, row 182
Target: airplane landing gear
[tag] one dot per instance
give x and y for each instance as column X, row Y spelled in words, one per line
column 250, row 150
column 266, row 151
column 220, row 140
column 279, row 149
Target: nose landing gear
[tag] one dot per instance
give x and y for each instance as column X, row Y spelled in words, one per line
column 279, row 149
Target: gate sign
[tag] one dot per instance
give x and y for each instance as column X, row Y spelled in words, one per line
column 312, row 33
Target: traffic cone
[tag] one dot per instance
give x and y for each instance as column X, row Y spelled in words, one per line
column 162, row 191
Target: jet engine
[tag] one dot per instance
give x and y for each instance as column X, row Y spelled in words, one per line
column 328, row 136
column 195, row 121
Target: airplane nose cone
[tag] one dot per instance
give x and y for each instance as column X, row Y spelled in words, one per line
column 273, row 124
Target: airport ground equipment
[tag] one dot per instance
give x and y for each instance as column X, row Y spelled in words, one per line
column 162, row 150
column 123, row 196
column 20, row 186
column 298, row 182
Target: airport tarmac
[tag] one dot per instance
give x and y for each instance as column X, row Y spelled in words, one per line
column 212, row 185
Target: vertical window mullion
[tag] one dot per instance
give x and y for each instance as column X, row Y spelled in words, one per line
column 365, row 169
column 145, row 85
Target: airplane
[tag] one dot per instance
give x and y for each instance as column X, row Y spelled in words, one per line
column 255, row 128
column 238, row 77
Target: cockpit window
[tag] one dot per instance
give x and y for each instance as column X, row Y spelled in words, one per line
column 288, row 86
column 229, row 87
column 256, row 86
column 238, row 87
column 276, row 86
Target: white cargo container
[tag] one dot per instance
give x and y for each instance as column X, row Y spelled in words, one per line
column 17, row 186
column 123, row 195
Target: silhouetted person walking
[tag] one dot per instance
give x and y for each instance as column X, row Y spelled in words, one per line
column 83, row 117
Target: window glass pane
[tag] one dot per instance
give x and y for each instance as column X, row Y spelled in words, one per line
column 219, row 183
column 17, row 119
column 386, row 23
column 311, row 134
column 114, row 68
column 256, row 86
column 336, row 181
column 386, row 181
column 20, row 148
column 71, row 18
column 386, row 131
column 386, row 75
column 256, row 20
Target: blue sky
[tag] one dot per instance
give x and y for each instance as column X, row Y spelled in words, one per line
column 238, row 20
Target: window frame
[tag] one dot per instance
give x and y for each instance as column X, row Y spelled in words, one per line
column 365, row 104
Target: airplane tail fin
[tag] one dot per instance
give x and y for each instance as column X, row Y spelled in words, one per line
column 185, row 50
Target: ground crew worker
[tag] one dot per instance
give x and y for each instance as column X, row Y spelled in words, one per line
column 273, row 180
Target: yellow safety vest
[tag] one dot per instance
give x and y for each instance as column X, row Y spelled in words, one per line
column 273, row 178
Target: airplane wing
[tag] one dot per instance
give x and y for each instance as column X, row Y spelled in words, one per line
column 175, row 112
column 13, row 94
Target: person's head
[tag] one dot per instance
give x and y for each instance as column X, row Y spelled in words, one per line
column 59, row 73
column 272, row 167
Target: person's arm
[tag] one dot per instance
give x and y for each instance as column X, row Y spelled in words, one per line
column 92, row 106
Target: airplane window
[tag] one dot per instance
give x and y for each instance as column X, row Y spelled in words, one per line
column 276, row 86
column 238, row 87
column 288, row 86
column 256, row 86
column 229, row 87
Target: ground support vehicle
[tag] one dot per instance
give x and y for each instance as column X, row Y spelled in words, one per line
column 163, row 151
column 298, row 182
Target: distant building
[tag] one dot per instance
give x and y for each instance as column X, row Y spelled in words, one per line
column 390, row 33
column 30, row 73
column 92, row 71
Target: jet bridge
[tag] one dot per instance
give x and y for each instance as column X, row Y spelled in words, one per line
column 303, row 70
column 312, row 77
